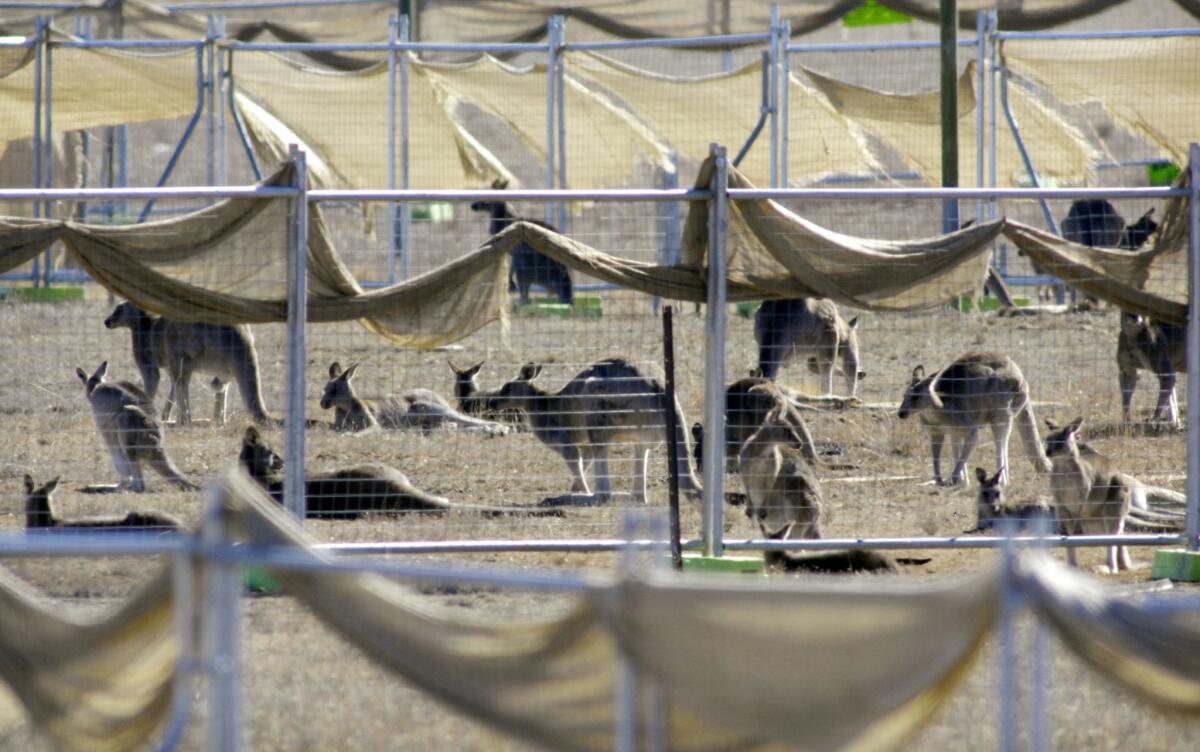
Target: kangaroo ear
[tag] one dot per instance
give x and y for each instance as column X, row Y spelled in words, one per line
column 475, row 368
column 251, row 434
column 918, row 373
column 450, row 362
column 82, row 375
column 29, row 484
column 853, row 323
column 1053, row 426
column 499, row 184
column 697, row 431
column 349, row 372
column 53, row 484
column 1076, row 425
column 530, row 371
column 335, row 369
column 101, row 371
column 981, row 475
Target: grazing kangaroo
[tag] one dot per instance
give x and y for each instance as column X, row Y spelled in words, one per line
column 808, row 328
column 353, row 492
column 124, row 417
column 184, row 348
column 610, row 401
column 39, row 515
column 747, row 402
column 421, row 408
column 1157, row 347
column 529, row 267
column 978, row 388
column 782, row 491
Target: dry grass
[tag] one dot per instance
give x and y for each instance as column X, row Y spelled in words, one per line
column 305, row 689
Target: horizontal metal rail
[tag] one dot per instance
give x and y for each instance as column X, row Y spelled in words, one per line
column 385, row 46
column 267, row 4
column 162, row 194
column 875, row 46
column 959, row 193
column 1059, row 35
column 710, row 40
column 543, row 194
column 82, row 44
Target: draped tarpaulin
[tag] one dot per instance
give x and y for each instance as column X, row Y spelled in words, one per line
column 1145, row 85
column 854, row 664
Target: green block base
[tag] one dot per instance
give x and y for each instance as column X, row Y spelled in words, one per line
column 1176, row 564
column 728, row 564
column 259, row 580
column 585, row 308
column 746, row 310
column 41, row 294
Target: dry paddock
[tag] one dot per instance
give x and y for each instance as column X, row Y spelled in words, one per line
column 306, row 689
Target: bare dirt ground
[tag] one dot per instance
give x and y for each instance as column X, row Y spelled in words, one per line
column 305, row 689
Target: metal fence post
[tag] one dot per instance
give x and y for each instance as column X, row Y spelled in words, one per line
column 393, row 219
column 551, row 85
column 405, row 208
column 714, row 360
column 560, row 103
column 774, row 48
column 1193, row 352
column 785, row 93
column 222, row 614
column 297, row 310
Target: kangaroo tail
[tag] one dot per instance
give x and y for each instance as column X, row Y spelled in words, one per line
column 1143, row 521
column 167, row 469
column 1165, row 497
column 251, row 390
column 1027, row 425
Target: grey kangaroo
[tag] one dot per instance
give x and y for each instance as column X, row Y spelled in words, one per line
column 811, row 329
column 608, row 402
column 747, row 402
column 977, row 389
column 782, row 492
column 352, row 492
column 40, row 515
column 1157, row 347
column 124, row 417
column 184, row 348
column 415, row 408
column 528, row 266
column 473, row 401
column 992, row 509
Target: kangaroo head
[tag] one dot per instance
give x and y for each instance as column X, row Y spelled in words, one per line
column 517, row 392
column 991, row 493
column 496, row 208
column 1136, row 234
column 338, row 390
column 91, row 382
column 1061, row 441
column 920, row 393
column 257, row 456
column 464, row 378
column 38, row 512
column 125, row 314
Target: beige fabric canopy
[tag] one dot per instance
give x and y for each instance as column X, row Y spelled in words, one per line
column 1146, row 85
column 849, row 664
column 911, row 124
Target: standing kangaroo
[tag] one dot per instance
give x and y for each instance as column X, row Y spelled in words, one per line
column 1157, row 347
column 352, row 492
column 184, row 348
column 782, row 491
column 39, row 515
column 422, row 408
column 124, row 417
column 529, row 267
column 808, row 328
column 610, row 401
column 978, row 388
column 747, row 402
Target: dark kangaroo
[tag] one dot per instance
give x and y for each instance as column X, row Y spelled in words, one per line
column 529, row 267
column 39, row 515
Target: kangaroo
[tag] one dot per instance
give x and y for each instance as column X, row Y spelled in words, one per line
column 422, row 408
column 991, row 508
column 610, row 401
column 353, row 492
column 39, row 515
column 124, row 417
column 473, row 401
column 978, row 388
column 782, row 491
column 747, row 402
column 184, row 348
column 528, row 266
column 808, row 328
column 1157, row 347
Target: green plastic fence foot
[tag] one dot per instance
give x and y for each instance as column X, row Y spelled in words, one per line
column 41, row 294
column 587, row 308
column 259, row 580
column 729, row 564
column 1176, row 564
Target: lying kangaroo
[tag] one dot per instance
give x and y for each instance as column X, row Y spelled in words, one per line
column 782, row 491
column 747, row 402
column 39, row 515
column 124, row 417
column 473, row 401
column 992, row 509
column 808, row 328
column 352, row 492
column 184, row 348
column 529, row 267
column 415, row 408
column 610, row 401
column 978, row 388
column 1157, row 347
